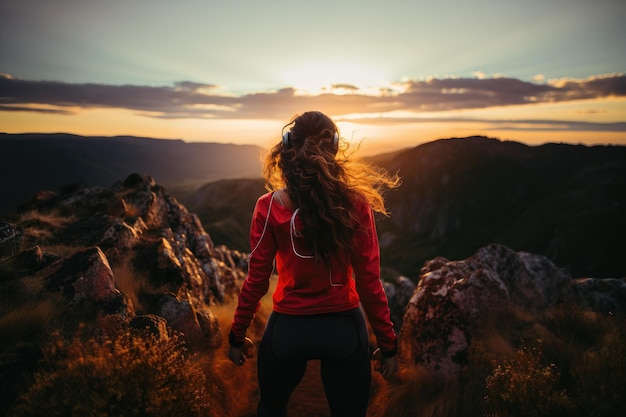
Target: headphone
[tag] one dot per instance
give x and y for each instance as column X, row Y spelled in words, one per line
column 287, row 138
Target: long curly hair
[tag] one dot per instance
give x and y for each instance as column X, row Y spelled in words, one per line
column 325, row 181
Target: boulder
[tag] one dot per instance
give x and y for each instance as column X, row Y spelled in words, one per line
column 602, row 295
column 198, row 327
column 83, row 276
column 120, row 235
column 453, row 298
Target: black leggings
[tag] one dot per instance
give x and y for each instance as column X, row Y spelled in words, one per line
column 339, row 340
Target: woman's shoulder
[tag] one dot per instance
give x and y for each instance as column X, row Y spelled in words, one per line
column 360, row 203
column 266, row 197
column 263, row 202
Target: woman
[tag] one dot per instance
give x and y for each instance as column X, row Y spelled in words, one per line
column 319, row 227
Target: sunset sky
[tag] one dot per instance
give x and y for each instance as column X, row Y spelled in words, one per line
column 391, row 73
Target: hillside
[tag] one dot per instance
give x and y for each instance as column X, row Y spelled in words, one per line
column 225, row 209
column 33, row 162
column 460, row 194
column 116, row 302
column 562, row 201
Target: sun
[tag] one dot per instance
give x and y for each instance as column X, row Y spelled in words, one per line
column 331, row 77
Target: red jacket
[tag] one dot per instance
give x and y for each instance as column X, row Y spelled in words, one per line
column 307, row 285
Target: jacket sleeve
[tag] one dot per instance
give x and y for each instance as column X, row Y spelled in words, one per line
column 260, row 267
column 366, row 264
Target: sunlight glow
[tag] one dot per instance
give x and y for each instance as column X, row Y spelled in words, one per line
column 333, row 77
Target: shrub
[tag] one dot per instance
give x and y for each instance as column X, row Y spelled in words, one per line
column 124, row 375
column 525, row 386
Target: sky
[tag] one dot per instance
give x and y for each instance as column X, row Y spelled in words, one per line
column 391, row 73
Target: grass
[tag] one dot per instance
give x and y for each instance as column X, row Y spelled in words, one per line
column 130, row 282
column 127, row 375
column 27, row 320
column 569, row 362
column 41, row 226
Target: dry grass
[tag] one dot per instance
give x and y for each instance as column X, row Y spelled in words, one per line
column 526, row 386
column 126, row 375
column 42, row 226
column 132, row 210
column 568, row 363
column 26, row 321
column 52, row 218
column 26, row 314
column 128, row 281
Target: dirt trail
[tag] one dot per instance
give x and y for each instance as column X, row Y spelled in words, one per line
column 308, row 399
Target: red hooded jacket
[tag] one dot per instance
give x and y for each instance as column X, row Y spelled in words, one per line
column 307, row 285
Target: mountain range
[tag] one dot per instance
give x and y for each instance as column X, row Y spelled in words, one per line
column 33, row 162
column 566, row 202
column 562, row 201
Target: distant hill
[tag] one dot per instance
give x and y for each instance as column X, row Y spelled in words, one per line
column 566, row 202
column 562, row 201
column 225, row 209
column 33, row 162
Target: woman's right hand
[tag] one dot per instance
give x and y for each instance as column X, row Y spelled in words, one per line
column 386, row 366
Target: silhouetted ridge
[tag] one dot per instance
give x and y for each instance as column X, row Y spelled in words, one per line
column 464, row 193
column 32, row 162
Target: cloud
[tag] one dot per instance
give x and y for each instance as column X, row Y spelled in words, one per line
column 35, row 110
column 494, row 124
column 198, row 100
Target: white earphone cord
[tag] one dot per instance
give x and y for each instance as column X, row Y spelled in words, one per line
column 293, row 244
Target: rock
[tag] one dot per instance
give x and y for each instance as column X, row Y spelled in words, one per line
column 10, row 239
column 121, row 236
column 453, row 298
column 534, row 282
column 197, row 327
column 398, row 293
column 148, row 236
column 602, row 295
column 151, row 323
column 25, row 263
column 84, row 276
column 210, row 328
column 121, row 305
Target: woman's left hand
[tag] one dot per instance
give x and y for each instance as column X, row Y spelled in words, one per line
column 238, row 355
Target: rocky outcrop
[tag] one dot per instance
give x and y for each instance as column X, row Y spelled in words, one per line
column 137, row 228
column 453, row 298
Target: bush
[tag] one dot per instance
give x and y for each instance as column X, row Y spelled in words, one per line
column 525, row 386
column 124, row 375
